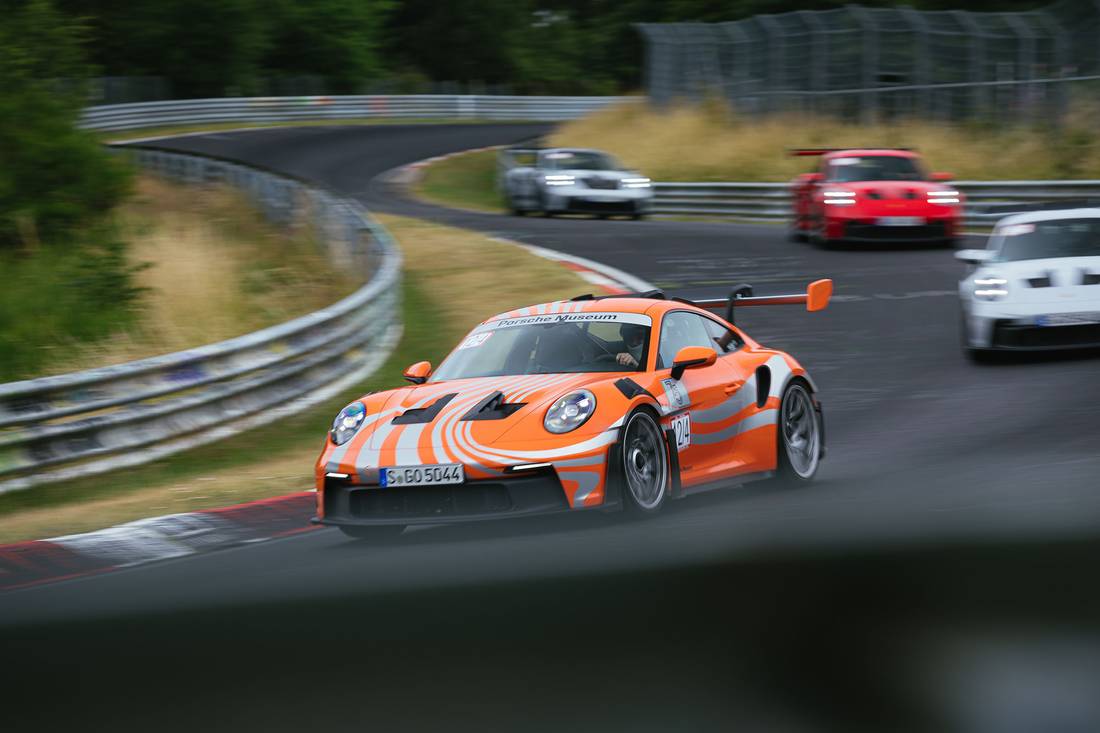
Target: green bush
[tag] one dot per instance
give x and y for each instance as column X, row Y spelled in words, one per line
column 62, row 298
column 53, row 177
column 64, row 275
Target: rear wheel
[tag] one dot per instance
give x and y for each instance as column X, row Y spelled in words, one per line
column 380, row 533
column 645, row 465
column 800, row 436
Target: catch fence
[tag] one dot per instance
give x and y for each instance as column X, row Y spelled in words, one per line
column 877, row 64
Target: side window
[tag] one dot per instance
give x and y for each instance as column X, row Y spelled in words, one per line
column 678, row 330
column 724, row 340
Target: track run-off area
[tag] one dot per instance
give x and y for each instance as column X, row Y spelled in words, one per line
column 923, row 446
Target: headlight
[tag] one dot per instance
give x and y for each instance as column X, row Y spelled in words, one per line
column 347, row 422
column 636, row 183
column 558, row 180
column 990, row 288
column 840, row 198
column 570, row 412
column 944, row 197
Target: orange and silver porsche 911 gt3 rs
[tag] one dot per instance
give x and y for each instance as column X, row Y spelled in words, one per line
column 618, row 402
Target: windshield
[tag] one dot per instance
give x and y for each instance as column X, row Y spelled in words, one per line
column 1043, row 239
column 563, row 160
column 554, row 343
column 874, row 168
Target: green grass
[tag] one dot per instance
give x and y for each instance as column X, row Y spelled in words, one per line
column 62, row 296
column 466, row 181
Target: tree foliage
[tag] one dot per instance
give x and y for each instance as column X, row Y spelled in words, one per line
column 53, row 177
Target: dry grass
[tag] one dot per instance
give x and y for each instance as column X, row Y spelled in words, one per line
column 213, row 269
column 476, row 277
column 455, row 279
column 709, row 143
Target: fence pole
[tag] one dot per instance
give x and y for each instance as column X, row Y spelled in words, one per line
column 977, row 58
column 1061, row 42
column 819, row 56
column 869, row 106
column 921, row 59
column 1025, row 62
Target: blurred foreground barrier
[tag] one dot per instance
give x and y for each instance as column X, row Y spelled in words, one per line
column 986, row 201
column 444, row 107
column 57, row 428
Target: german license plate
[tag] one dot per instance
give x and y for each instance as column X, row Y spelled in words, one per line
column 1068, row 319
column 900, row 221
column 428, row 475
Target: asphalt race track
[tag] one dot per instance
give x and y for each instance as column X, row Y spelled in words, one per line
column 926, row 451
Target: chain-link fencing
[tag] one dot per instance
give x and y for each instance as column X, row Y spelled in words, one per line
column 873, row 64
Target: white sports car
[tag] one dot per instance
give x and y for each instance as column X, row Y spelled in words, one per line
column 1035, row 286
column 571, row 181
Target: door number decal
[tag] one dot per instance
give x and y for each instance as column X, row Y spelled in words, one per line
column 677, row 394
column 681, row 426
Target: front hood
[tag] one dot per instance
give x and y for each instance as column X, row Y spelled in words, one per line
column 445, row 421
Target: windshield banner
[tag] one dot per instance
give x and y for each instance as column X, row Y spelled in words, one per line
column 550, row 319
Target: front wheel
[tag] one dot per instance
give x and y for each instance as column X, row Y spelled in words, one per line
column 800, row 437
column 645, row 465
column 380, row 533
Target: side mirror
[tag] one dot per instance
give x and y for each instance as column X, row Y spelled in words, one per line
column 810, row 178
column 974, row 256
column 818, row 294
column 692, row 357
column 419, row 372
column 942, row 177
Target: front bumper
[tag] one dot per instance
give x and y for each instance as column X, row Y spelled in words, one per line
column 988, row 328
column 577, row 200
column 518, row 495
column 864, row 224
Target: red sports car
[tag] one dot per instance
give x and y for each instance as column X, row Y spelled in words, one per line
column 873, row 195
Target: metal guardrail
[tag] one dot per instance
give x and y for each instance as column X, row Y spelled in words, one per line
column 985, row 200
column 288, row 109
column 60, row 427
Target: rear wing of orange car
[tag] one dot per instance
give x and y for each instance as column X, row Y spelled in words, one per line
column 816, row 298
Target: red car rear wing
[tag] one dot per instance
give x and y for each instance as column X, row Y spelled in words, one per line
column 815, row 298
column 823, row 151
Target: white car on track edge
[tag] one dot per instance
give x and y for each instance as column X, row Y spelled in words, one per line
column 571, row 181
column 1036, row 285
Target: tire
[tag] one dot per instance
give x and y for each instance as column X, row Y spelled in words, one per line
column 645, row 465
column 513, row 209
column 974, row 355
column 637, row 217
column 380, row 533
column 795, row 233
column 799, row 438
column 981, row 356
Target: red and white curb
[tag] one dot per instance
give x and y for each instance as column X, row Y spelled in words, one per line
column 611, row 280
column 158, row 538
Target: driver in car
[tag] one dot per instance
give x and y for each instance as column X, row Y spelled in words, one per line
column 633, row 337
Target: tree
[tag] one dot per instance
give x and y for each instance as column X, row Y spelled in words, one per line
column 54, row 177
